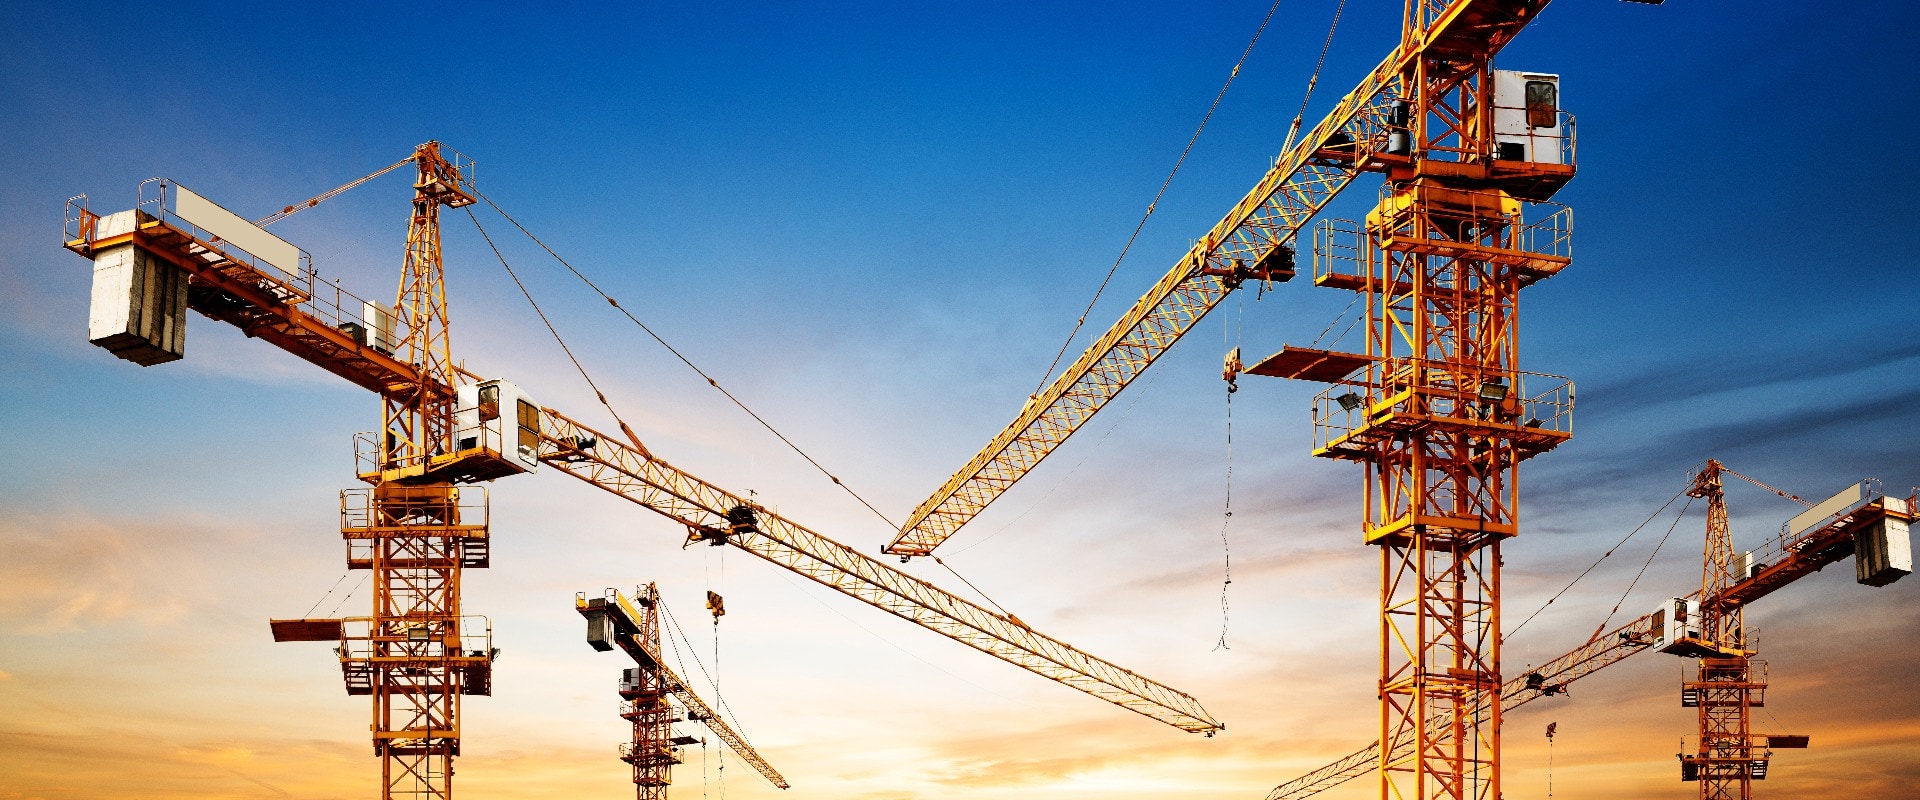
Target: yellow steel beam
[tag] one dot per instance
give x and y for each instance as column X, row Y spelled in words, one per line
column 1299, row 184
column 671, row 492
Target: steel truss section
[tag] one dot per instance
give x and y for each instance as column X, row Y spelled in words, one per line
column 415, row 659
column 1241, row 246
column 1442, row 427
column 705, row 509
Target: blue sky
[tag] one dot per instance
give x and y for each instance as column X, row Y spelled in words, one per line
column 875, row 224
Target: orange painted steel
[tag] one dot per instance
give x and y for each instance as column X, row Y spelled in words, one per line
column 1441, row 417
column 317, row 325
column 420, row 542
column 1785, row 561
column 1241, row 246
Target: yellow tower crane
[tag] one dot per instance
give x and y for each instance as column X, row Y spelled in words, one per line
column 633, row 625
column 445, row 428
column 1436, row 409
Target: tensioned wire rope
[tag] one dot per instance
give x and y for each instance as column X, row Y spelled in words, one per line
column 1155, row 203
column 584, row 374
column 711, row 381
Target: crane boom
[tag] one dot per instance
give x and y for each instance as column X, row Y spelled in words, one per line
column 1249, row 242
column 317, row 323
column 1776, row 565
column 711, row 513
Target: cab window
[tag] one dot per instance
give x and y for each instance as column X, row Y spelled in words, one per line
column 489, row 403
column 529, row 425
column 1543, row 104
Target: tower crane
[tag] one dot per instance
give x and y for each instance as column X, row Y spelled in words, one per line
column 633, row 625
column 1859, row 521
column 1436, row 409
column 444, row 428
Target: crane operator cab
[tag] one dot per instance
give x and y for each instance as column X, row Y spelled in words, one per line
column 1527, row 123
column 1678, row 629
column 496, row 430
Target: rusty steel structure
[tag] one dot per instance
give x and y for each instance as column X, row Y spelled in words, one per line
column 1728, row 682
column 648, row 692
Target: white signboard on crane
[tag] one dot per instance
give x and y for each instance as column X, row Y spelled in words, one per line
column 210, row 217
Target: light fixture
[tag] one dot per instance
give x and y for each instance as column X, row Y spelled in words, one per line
column 1493, row 389
column 1348, row 401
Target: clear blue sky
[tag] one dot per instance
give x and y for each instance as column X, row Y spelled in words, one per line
column 875, row 223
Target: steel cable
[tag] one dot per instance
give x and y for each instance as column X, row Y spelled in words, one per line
column 684, row 360
column 1155, row 203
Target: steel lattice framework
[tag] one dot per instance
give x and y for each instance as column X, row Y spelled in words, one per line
column 417, row 657
column 634, row 626
column 1785, row 562
column 1249, row 243
column 1439, row 415
column 709, row 513
column 1724, row 688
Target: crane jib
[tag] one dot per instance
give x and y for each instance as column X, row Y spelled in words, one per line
column 1244, row 244
column 592, row 457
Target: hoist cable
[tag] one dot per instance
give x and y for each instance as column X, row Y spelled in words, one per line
column 1294, row 129
column 1155, row 203
column 1226, row 551
column 719, row 700
column 1596, row 563
column 323, row 598
column 1793, row 497
column 1335, row 321
column 291, row 210
column 684, row 360
column 556, row 336
column 348, row 596
column 1643, row 570
column 976, row 589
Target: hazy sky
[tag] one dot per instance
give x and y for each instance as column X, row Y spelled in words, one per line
column 875, row 224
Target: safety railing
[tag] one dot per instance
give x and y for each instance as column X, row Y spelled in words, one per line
column 418, row 638
column 80, row 222
column 156, row 200
column 1550, row 235
column 466, row 506
column 1463, row 393
column 346, row 311
column 1777, row 546
column 1339, row 252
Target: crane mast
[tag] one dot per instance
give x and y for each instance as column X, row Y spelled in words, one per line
column 421, row 535
column 1436, row 409
column 1728, row 683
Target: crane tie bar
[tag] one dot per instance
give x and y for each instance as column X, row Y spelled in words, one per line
column 684, row 360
